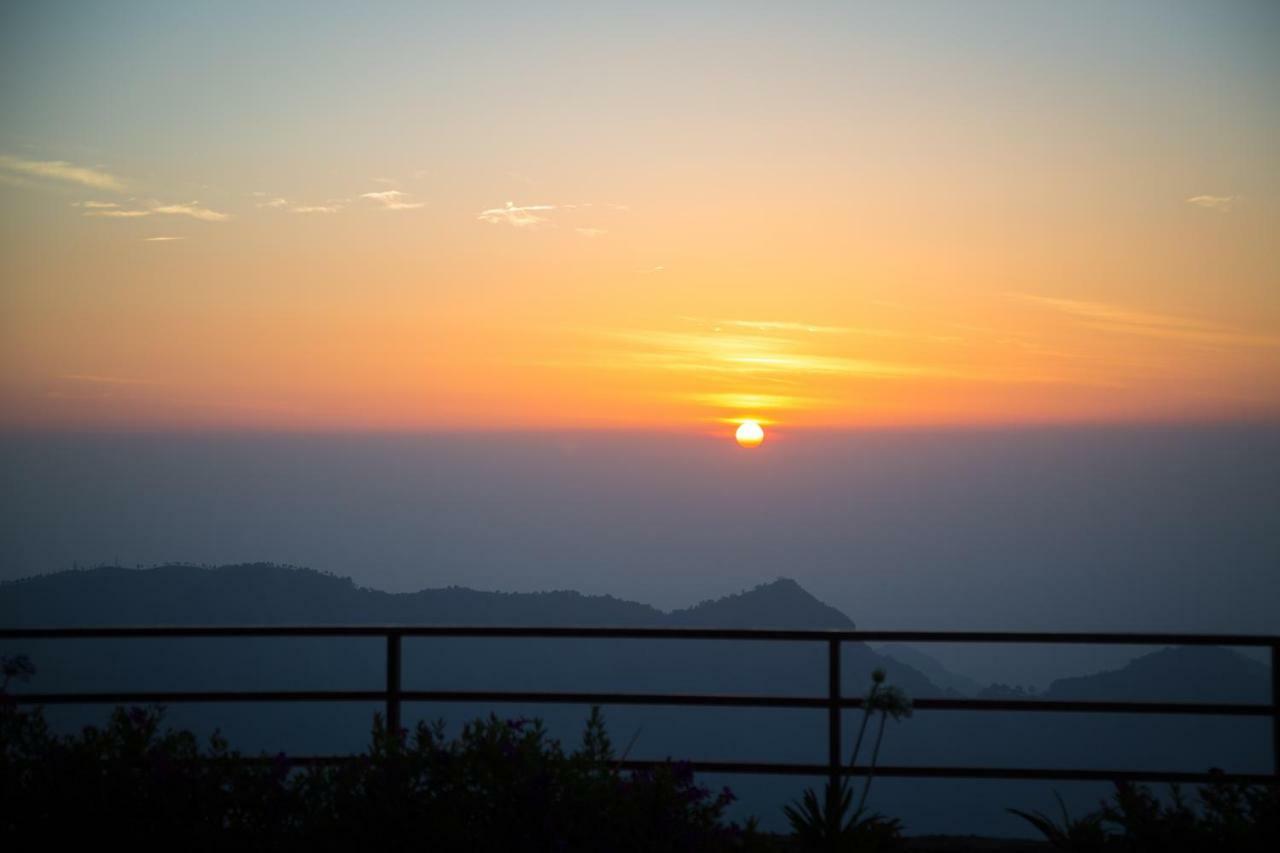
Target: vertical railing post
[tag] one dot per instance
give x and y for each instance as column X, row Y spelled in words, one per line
column 393, row 683
column 833, row 714
column 1275, row 708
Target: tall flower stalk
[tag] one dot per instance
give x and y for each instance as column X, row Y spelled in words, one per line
column 877, row 678
column 888, row 702
column 827, row 824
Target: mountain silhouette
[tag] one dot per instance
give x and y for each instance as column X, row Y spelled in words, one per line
column 930, row 667
column 780, row 604
column 264, row 594
column 1182, row 674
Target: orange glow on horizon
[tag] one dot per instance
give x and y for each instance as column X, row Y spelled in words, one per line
column 667, row 247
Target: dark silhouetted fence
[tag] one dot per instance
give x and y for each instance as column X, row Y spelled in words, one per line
column 833, row 702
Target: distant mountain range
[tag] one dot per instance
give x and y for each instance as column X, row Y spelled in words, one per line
column 273, row 595
column 263, row 594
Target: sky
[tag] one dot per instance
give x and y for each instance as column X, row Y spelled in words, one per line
column 660, row 216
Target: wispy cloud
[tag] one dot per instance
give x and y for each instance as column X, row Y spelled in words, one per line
column 61, row 170
column 1120, row 320
column 111, row 210
column 517, row 216
column 749, row 355
column 192, row 209
column 782, row 364
column 113, row 213
column 1220, row 203
column 332, row 205
column 161, row 239
column 747, row 401
column 789, row 328
column 393, row 200
column 535, row 215
column 782, row 326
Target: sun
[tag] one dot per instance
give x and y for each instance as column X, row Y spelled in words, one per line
column 749, row 434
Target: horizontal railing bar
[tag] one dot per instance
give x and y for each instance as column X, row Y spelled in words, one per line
column 1032, row 637
column 170, row 697
column 1072, row 706
column 599, row 698
column 767, row 768
column 723, row 700
column 921, row 772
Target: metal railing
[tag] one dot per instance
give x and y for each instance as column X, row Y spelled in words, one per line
column 394, row 695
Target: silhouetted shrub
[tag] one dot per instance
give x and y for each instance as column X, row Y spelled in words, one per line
column 1239, row 818
column 829, row 824
column 1228, row 817
column 501, row 785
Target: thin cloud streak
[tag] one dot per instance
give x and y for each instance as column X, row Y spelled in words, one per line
column 754, row 401
column 1120, row 320
column 781, row 326
column 1220, row 203
column 61, row 170
column 117, row 214
column 750, row 355
column 393, row 200
column 192, row 209
column 317, row 208
column 332, row 205
column 517, row 216
column 790, row 360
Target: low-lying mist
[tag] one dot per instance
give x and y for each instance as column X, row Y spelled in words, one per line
column 1147, row 528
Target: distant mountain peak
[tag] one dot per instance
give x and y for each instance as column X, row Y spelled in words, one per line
column 781, row 603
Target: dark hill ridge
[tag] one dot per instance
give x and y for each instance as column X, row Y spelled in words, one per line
column 1182, row 674
column 260, row 594
column 781, row 604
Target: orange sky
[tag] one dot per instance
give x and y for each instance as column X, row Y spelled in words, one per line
column 654, row 222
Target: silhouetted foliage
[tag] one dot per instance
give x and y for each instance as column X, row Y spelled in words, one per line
column 500, row 785
column 830, row 825
column 1084, row 833
column 16, row 668
column 1234, row 817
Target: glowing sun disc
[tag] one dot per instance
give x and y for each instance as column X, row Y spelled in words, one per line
column 749, row 434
